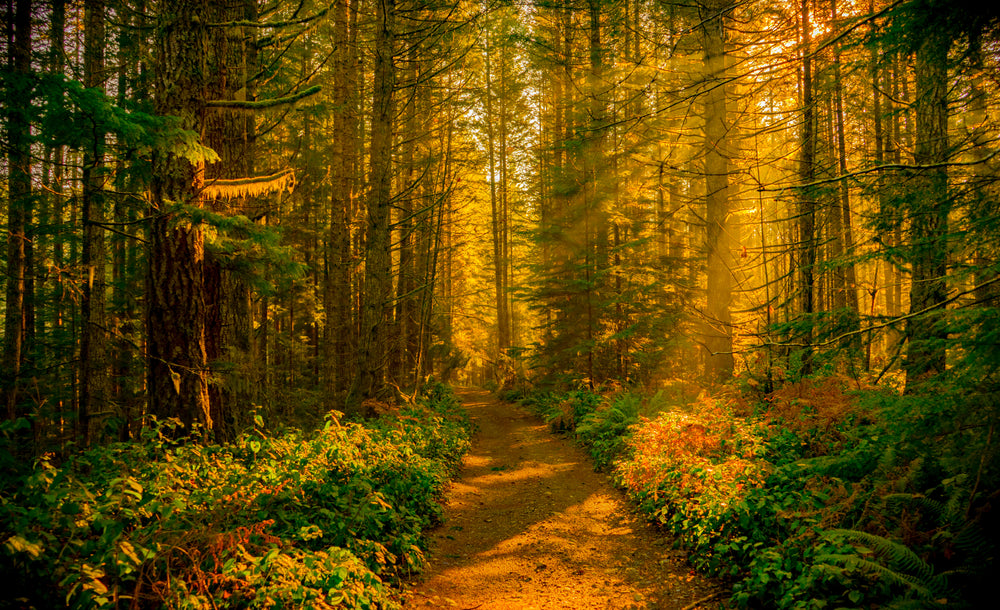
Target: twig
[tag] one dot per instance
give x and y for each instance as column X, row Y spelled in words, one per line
column 701, row 601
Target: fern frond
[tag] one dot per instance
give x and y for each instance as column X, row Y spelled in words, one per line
column 913, row 604
column 932, row 508
column 925, row 589
column 973, row 541
column 899, row 556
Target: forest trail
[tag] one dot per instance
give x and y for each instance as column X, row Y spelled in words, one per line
column 529, row 524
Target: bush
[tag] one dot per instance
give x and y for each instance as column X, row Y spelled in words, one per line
column 818, row 497
column 312, row 520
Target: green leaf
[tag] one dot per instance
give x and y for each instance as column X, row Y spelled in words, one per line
column 17, row 544
column 128, row 550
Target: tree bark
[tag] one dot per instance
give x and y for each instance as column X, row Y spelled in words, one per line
column 232, row 135
column 985, row 257
column 807, row 202
column 928, row 213
column 845, row 277
column 402, row 353
column 93, row 386
column 369, row 382
column 18, row 203
column 177, row 370
column 718, row 334
column 337, row 294
column 496, row 207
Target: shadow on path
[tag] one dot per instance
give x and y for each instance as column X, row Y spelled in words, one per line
column 528, row 524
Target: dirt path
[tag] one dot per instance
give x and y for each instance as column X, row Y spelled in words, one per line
column 529, row 524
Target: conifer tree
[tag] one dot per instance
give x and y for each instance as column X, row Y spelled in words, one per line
column 369, row 380
column 718, row 125
column 175, row 302
column 19, row 192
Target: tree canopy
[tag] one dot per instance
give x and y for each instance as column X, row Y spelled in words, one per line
column 215, row 209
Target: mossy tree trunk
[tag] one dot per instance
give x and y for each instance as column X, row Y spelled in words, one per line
column 175, row 300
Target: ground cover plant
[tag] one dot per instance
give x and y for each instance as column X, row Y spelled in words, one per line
column 294, row 519
column 812, row 496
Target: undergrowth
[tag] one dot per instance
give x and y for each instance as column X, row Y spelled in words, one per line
column 294, row 520
column 813, row 496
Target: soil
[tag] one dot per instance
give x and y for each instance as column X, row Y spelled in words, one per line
column 529, row 524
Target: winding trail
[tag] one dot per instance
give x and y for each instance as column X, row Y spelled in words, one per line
column 529, row 524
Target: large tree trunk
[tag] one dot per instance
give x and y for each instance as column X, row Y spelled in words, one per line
column 337, row 293
column 985, row 257
column 402, row 355
column 718, row 334
column 845, row 294
column 127, row 373
column 227, row 296
column 175, row 296
column 505, row 268
column 496, row 209
column 929, row 212
column 370, row 379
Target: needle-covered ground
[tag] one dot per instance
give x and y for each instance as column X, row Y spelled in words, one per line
column 529, row 524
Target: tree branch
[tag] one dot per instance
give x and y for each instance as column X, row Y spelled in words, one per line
column 263, row 104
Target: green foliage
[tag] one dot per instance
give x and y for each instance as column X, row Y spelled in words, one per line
column 822, row 499
column 74, row 113
column 604, row 431
column 888, row 561
column 255, row 251
column 299, row 520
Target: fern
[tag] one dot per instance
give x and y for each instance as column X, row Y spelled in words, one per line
column 898, row 565
column 948, row 516
column 972, row 541
column 928, row 506
column 883, row 573
column 897, row 554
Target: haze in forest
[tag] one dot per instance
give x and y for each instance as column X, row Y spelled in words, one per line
column 768, row 228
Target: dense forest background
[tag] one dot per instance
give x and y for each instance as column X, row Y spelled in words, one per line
column 211, row 205
column 217, row 210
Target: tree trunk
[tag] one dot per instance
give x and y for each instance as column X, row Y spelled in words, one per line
column 845, row 277
column 929, row 213
column 888, row 269
column 369, row 381
column 232, row 135
column 807, row 203
column 19, row 206
column 401, row 354
column 718, row 334
column 93, row 386
column 496, row 211
column 175, row 300
column 985, row 257
column 337, row 294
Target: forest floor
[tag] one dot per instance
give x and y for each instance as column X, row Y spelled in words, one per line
column 529, row 524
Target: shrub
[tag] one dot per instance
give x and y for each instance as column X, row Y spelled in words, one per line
column 308, row 520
